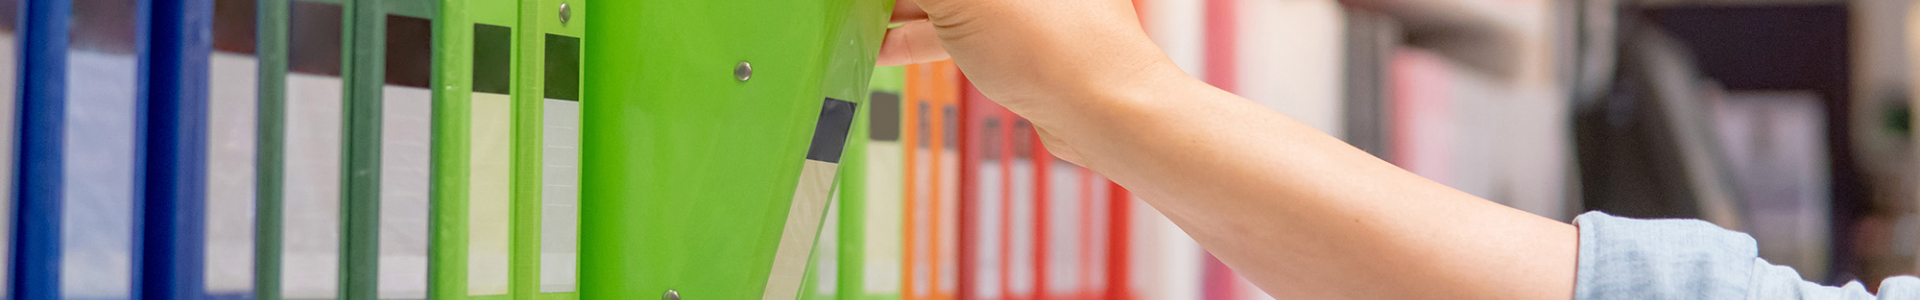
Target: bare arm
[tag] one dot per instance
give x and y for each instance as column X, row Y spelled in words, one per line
column 1301, row 214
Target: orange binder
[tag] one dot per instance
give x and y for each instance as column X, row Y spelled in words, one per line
column 932, row 182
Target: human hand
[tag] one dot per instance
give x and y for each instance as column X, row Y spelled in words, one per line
column 1016, row 51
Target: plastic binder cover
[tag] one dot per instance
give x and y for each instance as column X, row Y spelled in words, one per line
column 470, row 153
column 233, row 69
column 870, row 211
column 822, row 275
column 79, row 208
column 823, row 270
column 547, row 158
column 712, row 145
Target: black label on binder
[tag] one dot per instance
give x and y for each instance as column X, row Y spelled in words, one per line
column 830, row 134
column 492, row 59
column 883, row 123
column 563, row 67
column 949, row 127
column 313, row 38
column 409, row 51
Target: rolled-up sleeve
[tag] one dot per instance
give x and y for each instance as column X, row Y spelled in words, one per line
column 1623, row 258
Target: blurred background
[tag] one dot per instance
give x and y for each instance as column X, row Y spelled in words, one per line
column 1787, row 119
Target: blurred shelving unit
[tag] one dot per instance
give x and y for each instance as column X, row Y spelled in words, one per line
column 1466, row 92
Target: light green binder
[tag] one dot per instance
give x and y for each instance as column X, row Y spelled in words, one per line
column 858, row 253
column 870, row 220
column 472, row 142
column 711, row 140
column 546, row 163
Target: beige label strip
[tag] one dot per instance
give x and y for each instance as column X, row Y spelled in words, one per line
column 804, row 216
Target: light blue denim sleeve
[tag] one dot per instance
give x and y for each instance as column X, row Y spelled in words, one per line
column 1623, row 258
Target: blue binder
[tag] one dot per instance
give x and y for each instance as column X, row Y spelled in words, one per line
column 174, row 242
column 9, row 83
column 77, row 223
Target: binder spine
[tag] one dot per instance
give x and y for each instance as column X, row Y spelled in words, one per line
column 525, row 166
column 1119, row 271
column 360, row 169
column 269, row 163
column 453, row 73
column 36, row 233
column 869, row 184
column 176, row 146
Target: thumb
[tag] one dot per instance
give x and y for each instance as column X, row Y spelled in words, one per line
column 911, row 43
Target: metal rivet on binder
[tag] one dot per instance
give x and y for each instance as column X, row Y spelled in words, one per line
column 670, row 295
column 566, row 13
column 743, row 71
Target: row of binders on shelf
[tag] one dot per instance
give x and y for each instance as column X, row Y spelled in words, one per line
column 452, row 149
column 561, row 149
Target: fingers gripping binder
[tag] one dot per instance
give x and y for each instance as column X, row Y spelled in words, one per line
column 712, row 136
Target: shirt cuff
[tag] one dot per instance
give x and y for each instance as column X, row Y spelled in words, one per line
column 1623, row 258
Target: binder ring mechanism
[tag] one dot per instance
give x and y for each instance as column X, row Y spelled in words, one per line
column 742, row 71
column 670, row 295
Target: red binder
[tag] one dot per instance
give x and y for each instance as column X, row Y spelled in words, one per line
column 1069, row 223
column 1004, row 178
column 986, row 192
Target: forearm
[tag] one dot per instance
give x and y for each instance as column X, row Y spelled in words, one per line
column 1299, row 212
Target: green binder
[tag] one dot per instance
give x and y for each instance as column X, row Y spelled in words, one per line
column 862, row 228
column 389, row 137
column 869, row 251
column 472, row 142
column 712, row 141
column 323, row 231
column 858, row 253
column 546, row 150
column 299, row 160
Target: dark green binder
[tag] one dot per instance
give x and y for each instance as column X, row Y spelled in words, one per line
column 389, row 155
column 324, row 233
column 299, row 160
